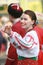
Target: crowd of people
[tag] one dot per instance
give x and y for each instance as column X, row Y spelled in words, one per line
column 26, row 38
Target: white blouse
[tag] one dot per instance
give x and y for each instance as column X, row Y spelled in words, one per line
column 29, row 44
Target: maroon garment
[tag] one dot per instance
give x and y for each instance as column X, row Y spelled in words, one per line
column 17, row 27
column 27, row 62
column 40, row 35
column 12, row 56
column 40, row 58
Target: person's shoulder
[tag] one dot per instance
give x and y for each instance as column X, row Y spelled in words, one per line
column 38, row 28
column 17, row 27
column 17, row 24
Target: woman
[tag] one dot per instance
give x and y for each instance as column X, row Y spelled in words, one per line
column 28, row 46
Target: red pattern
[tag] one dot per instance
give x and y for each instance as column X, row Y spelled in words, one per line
column 40, row 58
column 31, row 38
column 27, row 62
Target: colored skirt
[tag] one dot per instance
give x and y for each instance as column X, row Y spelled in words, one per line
column 27, row 61
column 40, row 58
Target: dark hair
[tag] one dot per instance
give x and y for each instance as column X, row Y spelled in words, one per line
column 13, row 11
column 31, row 14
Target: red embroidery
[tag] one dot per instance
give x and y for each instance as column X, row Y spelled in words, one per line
column 31, row 38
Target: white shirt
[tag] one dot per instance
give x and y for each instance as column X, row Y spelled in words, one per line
column 29, row 44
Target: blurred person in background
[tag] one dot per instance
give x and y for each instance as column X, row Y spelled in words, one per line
column 6, row 25
column 5, row 20
column 3, row 43
column 14, row 11
column 3, row 40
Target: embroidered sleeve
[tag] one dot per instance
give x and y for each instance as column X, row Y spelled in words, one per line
column 26, row 42
column 13, row 40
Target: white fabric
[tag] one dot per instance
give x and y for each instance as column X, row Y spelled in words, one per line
column 29, row 44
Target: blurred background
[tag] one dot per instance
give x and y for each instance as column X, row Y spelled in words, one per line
column 35, row 5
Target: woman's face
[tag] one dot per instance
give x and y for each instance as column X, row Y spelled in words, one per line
column 26, row 21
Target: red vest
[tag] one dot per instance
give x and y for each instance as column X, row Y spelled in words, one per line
column 40, row 35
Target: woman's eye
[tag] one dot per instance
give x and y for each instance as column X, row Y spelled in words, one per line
column 25, row 19
column 21, row 18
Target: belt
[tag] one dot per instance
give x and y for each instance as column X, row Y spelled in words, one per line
column 21, row 58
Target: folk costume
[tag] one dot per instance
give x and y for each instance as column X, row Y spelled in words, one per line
column 27, row 47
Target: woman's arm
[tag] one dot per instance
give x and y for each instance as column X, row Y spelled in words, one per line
column 26, row 42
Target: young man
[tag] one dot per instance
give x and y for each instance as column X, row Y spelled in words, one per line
column 15, row 11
